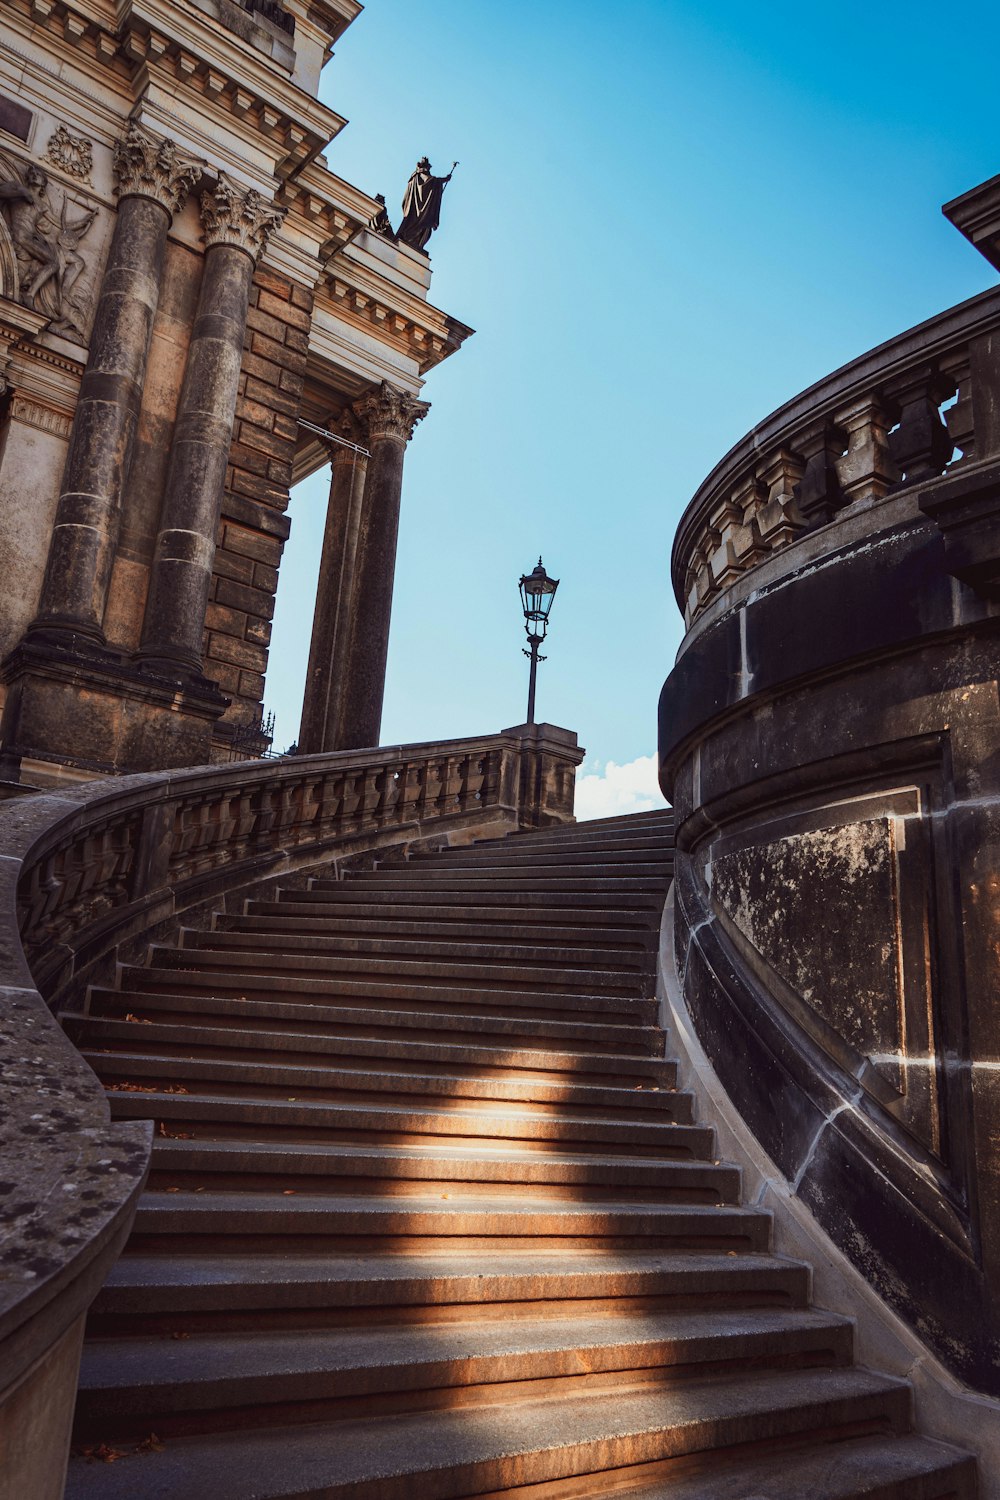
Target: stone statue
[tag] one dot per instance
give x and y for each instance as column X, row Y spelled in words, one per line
column 422, row 205
column 379, row 221
column 46, row 245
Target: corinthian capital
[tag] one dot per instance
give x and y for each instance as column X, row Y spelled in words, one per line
column 147, row 166
column 238, row 216
column 390, row 413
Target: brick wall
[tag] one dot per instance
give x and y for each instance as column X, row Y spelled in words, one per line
column 253, row 526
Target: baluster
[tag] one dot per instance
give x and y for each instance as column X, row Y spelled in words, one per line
column 818, row 492
column 724, row 523
column 866, row 471
column 779, row 519
column 960, row 418
column 921, row 445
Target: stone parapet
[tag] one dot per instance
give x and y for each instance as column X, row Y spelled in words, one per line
column 87, row 871
column 871, row 430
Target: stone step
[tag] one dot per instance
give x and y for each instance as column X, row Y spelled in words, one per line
column 417, row 1168
column 250, row 933
column 186, row 996
column 128, row 1386
column 340, row 1218
column 868, row 1468
column 447, row 923
column 178, row 1292
column 476, row 1449
column 635, row 859
column 508, row 1011
column 289, row 964
column 639, row 908
column 540, row 1096
column 296, row 1042
column 245, row 1113
column 641, row 879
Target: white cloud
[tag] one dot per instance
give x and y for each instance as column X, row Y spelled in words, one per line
column 609, row 791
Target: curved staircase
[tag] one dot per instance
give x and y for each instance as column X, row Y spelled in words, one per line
column 428, row 1217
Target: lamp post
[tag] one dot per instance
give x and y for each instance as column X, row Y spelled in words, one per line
column 537, row 593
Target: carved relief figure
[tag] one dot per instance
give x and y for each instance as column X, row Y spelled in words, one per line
column 46, row 244
column 422, row 205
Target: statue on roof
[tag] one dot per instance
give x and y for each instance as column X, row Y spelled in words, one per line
column 422, row 205
column 379, row 222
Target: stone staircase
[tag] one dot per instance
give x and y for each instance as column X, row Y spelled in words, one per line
column 429, row 1218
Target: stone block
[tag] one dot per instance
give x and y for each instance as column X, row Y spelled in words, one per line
column 243, row 457
column 239, row 596
column 248, row 410
column 267, row 370
column 265, row 577
column 262, row 322
column 283, row 311
column 221, row 617
column 297, row 340
column 270, row 281
column 238, row 652
column 228, row 566
column 271, row 397
column 266, row 348
column 251, row 544
column 259, row 516
column 252, row 686
column 262, row 441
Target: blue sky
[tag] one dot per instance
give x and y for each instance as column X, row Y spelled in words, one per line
column 668, row 219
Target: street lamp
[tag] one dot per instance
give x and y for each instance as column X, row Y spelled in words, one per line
column 537, row 593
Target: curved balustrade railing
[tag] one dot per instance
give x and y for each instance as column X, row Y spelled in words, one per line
column 84, row 872
column 870, row 428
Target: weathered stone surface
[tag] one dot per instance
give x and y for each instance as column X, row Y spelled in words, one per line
column 821, row 909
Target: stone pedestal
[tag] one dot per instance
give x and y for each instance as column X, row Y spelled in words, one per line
column 549, row 758
column 391, row 416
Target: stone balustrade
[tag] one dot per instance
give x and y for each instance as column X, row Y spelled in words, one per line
column 876, row 426
column 87, row 871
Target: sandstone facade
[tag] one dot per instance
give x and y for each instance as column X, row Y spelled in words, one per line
column 182, row 279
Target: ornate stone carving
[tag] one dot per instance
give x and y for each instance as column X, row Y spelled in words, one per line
column 390, row 413
column 71, row 153
column 238, row 216
column 34, row 414
column 148, row 166
column 45, row 241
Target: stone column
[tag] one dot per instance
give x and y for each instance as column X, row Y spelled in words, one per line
column 391, row 416
column 329, row 643
column 152, row 180
column 237, row 223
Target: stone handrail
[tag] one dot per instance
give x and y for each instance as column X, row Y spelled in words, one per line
column 87, row 870
column 872, row 427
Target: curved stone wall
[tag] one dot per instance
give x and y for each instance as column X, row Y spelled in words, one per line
column 830, row 739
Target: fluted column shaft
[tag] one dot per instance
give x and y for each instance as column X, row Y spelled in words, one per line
column 391, row 416
column 328, row 646
column 152, row 182
column 237, row 224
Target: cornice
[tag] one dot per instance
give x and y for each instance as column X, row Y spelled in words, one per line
column 193, row 55
column 407, row 323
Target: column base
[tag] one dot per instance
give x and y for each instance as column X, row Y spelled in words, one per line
column 94, row 712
